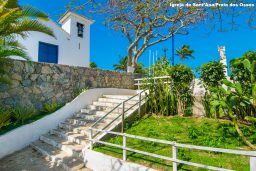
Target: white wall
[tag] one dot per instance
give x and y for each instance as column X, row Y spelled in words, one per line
column 101, row 162
column 68, row 44
column 23, row 136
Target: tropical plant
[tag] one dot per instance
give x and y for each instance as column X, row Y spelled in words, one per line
column 182, row 77
column 122, row 66
column 93, row 65
column 5, row 117
column 212, row 74
column 185, row 52
column 51, row 107
column 162, row 99
column 241, row 74
column 17, row 21
column 236, row 99
column 160, row 68
column 172, row 95
column 21, row 113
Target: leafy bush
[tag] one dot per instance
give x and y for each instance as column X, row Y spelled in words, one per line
column 173, row 95
column 51, row 107
column 236, row 99
column 212, row 74
column 5, row 117
column 22, row 114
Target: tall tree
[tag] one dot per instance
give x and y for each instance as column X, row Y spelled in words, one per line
column 185, row 52
column 15, row 21
column 145, row 23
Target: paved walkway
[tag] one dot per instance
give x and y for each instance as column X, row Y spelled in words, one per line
column 27, row 160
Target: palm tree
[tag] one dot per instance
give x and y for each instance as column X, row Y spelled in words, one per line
column 15, row 21
column 185, row 52
column 122, row 66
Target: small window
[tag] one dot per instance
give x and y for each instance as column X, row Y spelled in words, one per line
column 80, row 30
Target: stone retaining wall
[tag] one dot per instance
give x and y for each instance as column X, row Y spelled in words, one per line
column 40, row 83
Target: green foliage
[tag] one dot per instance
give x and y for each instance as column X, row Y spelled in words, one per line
column 173, row 95
column 51, row 107
column 160, row 68
column 185, row 52
column 93, row 65
column 78, row 91
column 5, row 117
column 243, row 72
column 22, row 113
column 212, row 74
column 161, row 98
column 16, row 20
column 122, row 66
column 195, row 131
column 236, row 99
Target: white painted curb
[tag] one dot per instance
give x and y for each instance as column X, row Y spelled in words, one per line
column 21, row 137
column 101, row 162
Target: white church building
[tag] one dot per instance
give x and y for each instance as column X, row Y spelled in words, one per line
column 70, row 47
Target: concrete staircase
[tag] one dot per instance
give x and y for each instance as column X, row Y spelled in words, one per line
column 64, row 145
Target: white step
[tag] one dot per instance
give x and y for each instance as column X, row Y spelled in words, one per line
column 69, row 163
column 89, row 118
column 121, row 97
column 63, row 144
column 109, row 100
column 108, row 104
column 71, row 137
column 77, row 122
column 75, row 129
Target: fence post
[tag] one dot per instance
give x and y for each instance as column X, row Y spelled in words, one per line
column 174, row 156
column 122, row 129
column 139, row 104
column 124, row 147
column 138, row 84
column 91, row 138
column 252, row 163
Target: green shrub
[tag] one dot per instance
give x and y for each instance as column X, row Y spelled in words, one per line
column 51, row 107
column 5, row 117
column 212, row 74
column 21, row 113
column 193, row 133
column 78, row 91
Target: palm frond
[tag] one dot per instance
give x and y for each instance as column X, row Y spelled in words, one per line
column 32, row 12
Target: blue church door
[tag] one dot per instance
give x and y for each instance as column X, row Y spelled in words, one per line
column 48, row 53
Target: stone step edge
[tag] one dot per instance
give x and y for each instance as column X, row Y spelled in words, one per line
column 62, row 147
column 56, row 160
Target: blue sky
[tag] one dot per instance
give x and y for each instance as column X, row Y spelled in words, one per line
column 107, row 45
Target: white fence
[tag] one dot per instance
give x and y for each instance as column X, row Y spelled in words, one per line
column 174, row 145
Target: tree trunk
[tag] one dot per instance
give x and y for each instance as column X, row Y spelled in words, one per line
column 129, row 61
column 240, row 133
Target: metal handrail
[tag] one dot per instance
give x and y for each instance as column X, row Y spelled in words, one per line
column 122, row 114
column 174, row 159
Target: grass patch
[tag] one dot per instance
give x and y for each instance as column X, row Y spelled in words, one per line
column 196, row 131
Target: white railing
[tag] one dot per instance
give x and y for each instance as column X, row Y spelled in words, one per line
column 166, row 80
column 122, row 115
column 174, row 145
column 140, row 81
